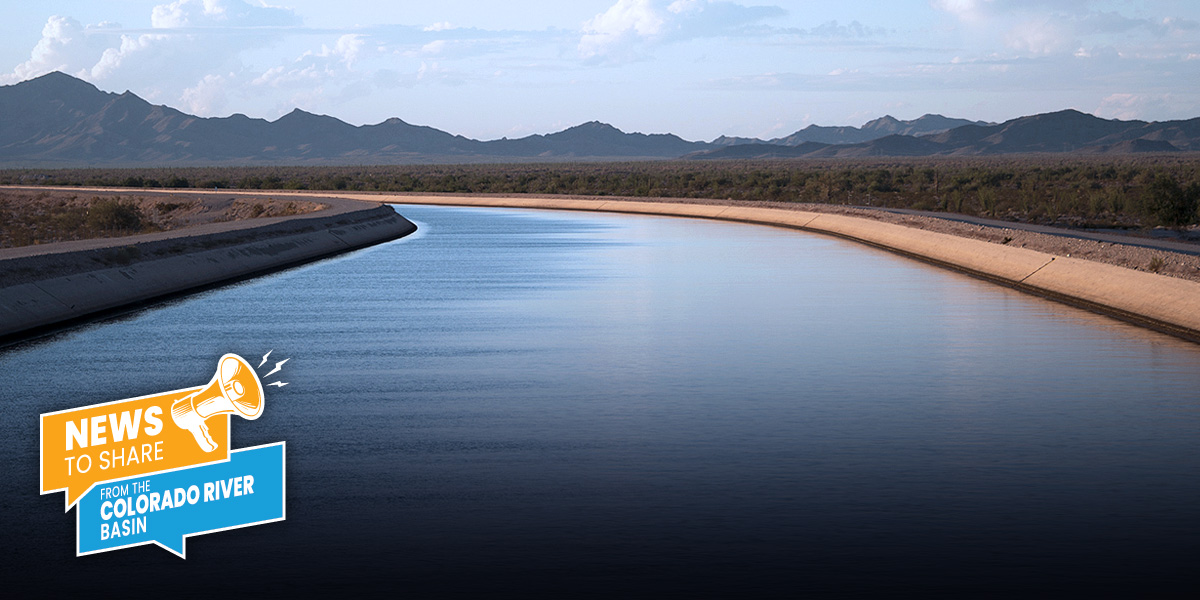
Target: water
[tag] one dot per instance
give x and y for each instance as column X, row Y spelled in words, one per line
column 524, row 402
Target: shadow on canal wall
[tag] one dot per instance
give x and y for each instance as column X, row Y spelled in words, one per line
column 47, row 291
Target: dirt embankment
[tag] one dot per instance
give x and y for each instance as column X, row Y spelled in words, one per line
column 36, row 217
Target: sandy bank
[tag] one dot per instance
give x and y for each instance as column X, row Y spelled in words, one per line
column 1168, row 304
column 42, row 287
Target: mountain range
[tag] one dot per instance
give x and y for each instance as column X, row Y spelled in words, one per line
column 58, row 120
column 872, row 130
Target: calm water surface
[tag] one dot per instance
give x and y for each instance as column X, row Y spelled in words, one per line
column 516, row 401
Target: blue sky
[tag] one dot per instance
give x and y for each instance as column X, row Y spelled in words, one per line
column 697, row 68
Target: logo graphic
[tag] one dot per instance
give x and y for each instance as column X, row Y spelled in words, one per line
column 139, row 476
column 235, row 388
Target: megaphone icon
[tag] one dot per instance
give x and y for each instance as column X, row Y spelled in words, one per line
column 235, row 388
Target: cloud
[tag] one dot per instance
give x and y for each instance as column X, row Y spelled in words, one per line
column 627, row 28
column 1086, row 77
column 976, row 10
column 186, row 56
column 313, row 68
column 972, row 11
column 219, row 13
column 1032, row 28
column 65, row 46
column 208, row 96
column 833, row 29
column 348, row 48
column 187, row 40
column 1041, row 37
column 624, row 24
column 700, row 18
column 1126, row 106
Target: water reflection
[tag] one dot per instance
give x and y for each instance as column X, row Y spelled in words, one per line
column 531, row 401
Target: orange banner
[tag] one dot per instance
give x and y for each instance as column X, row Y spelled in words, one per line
column 126, row 438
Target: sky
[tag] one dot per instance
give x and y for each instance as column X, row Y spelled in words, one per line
column 696, row 68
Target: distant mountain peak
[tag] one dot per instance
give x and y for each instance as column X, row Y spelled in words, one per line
column 1064, row 114
column 58, row 76
column 589, row 130
column 882, row 122
column 58, row 83
column 593, row 126
column 302, row 116
column 130, row 98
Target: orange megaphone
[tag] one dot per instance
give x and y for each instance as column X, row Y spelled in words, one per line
column 234, row 389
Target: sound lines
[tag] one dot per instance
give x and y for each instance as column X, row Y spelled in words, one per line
column 278, row 367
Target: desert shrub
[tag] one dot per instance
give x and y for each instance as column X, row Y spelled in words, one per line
column 1101, row 191
column 1171, row 203
column 114, row 215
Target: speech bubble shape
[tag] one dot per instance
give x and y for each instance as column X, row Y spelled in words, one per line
column 125, row 438
column 248, row 489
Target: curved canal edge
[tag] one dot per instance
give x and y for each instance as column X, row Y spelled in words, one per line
column 47, row 291
column 1158, row 302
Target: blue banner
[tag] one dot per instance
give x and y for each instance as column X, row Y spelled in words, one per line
column 167, row 508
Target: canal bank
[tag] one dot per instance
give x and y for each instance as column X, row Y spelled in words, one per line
column 1167, row 304
column 42, row 288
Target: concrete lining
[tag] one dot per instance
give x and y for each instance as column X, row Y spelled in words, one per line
column 49, row 290
column 1159, row 302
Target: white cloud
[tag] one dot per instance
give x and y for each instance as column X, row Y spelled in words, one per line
column 316, row 71
column 1147, row 106
column 833, row 29
column 1121, row 106
column 131, row 46
column 208, row 97
column 624, row 30
column 65, row 46
column 1041, row 37
column 434, row 47
column 682, row 6
column 974, row 10
column 188, row 39
column 187, row 57
column 431, row 71
column 282, row 76
column 624, row 23
column 1032, row 28
column 967, row 10
column 348, row 48
column 217, row 13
